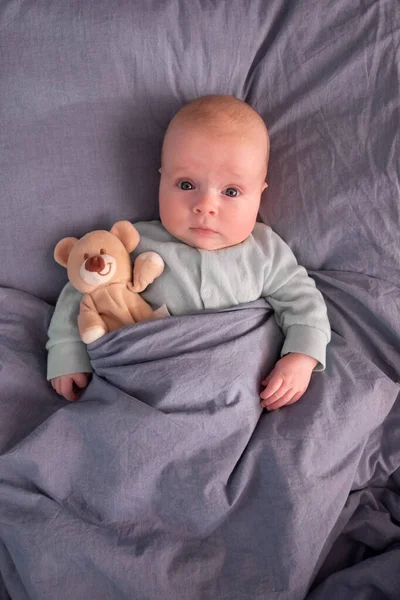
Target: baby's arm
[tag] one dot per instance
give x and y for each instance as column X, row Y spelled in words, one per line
column 68, row 363
column 301, row 312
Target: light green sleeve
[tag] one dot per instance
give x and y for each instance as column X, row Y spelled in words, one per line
column 66, row 352
column 300, row 309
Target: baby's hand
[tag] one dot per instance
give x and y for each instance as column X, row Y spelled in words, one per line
column 69, row 385
column 288, row 380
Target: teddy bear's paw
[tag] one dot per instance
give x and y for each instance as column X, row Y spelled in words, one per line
column 93, row 334
column 147, row 267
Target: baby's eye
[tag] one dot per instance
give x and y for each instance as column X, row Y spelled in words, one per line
column 102, row 251
column 185, row 185
column 231, row 192
column 85, row 256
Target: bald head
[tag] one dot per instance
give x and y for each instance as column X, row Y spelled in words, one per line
column 221, row 115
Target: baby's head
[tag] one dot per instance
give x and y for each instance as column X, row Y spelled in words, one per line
column 213, row 167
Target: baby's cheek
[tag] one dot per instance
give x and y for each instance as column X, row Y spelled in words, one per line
column 243, row 223
column 235, row 232
column 171, row 216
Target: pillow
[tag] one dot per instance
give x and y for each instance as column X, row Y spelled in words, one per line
column 88, row 88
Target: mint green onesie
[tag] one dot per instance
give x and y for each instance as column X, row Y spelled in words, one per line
column 263, row 266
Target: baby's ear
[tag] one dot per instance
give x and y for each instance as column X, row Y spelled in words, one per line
column 127, row 234
column 63, row 250
column 264, row 187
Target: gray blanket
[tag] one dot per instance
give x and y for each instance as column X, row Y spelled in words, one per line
column 166, row 480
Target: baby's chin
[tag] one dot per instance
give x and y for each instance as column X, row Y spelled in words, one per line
column 209, row 242
column 201, row 240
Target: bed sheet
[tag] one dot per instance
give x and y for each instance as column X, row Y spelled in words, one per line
column 118, row 495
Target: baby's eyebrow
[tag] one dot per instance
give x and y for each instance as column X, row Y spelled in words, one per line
column 183, row 168
column 178, row 171
column 188, row 168
column 236, row 174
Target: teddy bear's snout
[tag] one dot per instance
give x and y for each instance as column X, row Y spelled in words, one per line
column 95, row 264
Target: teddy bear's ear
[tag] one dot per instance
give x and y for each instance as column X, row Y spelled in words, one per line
column 127, row 234
column 63, row 250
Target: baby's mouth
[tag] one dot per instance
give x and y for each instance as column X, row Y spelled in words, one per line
column 203, row 230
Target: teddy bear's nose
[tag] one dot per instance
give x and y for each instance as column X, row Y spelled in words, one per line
column 95, row 264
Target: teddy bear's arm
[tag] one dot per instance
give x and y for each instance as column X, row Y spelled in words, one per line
column 147, row 267
column 91, row 325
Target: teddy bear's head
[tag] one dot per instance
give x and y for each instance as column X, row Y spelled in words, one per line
column 99, row 257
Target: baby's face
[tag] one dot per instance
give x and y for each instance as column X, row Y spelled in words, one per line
column 211, row 185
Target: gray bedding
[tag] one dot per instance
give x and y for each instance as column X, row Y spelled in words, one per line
column 166, row 480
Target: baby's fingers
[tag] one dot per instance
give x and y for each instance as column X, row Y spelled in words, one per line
column 287, row 398
column 274, row 382
column 81, row 379
column 266, row 380
column 67, row 390
column 295, row 398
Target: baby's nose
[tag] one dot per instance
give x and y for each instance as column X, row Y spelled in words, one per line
column 205, row 205
column 95, row 264
column 199, row 210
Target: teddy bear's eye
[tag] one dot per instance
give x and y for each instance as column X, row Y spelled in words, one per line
column 85, row 256
column 102, row 251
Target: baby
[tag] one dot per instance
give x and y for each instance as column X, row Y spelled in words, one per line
column 213, row 169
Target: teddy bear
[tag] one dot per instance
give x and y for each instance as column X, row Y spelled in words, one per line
column 99, row 266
